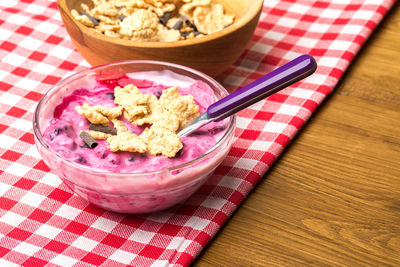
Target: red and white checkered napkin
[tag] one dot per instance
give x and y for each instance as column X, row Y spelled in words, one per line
column 42, row 221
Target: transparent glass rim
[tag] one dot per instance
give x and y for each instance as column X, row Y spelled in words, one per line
column 39, row 137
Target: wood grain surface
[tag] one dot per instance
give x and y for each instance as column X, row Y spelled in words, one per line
column 333, row 197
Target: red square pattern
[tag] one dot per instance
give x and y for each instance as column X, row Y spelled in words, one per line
column 151, row 252
column 202, row 237
column 33, row 96
column 76, row 228
column 42, row 166
column 252, row 177
column 268, row 158
column 170, row 229
column 264, row 115
column 33, row 261
column 3, row 251
column 56, row 246
column 6, row 203
column 94, row 259
column 24, row 30
column 28, row 138
column 51, row 79
column 68, row 65
column 22, row 72
column 40, row 215
column 184, row 259
column 94, row 210
column 53, row 5
column 7, row 46
column 25, row 183
column 16, row 112
column 60, row 195
column 19, row 234
column 250, row 134
column 282, row 139
column 53, row 39
column 38, row 56
column 11, row 155
column 40, row 17
column 113, row 241
column 3, row 128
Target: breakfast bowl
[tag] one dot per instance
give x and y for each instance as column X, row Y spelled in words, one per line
column 129, row 182
column 211, row 53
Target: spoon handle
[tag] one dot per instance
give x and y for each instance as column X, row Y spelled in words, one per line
column 269, row 84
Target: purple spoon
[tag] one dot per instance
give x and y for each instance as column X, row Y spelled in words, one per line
column 255, row 91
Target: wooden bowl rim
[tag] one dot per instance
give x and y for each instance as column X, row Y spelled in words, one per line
column 253, row 11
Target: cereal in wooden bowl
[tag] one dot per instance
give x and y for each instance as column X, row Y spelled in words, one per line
column 154, row 20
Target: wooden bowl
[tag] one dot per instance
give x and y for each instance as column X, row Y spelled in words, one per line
column 211, row 54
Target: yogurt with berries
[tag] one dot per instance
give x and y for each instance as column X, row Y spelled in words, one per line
column 126, row 181
column 62, row 134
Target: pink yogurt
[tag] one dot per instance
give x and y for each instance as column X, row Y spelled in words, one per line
column 128, row 182
column 62, row 133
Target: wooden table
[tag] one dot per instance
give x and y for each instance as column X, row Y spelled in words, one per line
column 333, row 197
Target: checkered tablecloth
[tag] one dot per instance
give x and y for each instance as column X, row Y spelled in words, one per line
column 43, row 222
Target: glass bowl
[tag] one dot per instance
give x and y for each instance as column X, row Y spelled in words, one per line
column 139, row 191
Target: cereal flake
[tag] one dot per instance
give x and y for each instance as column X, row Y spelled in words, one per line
column 166, row 115
column 210, row 19
column 98, row 114
column 182, row 106
column 141, row 24
column 161, row 141
column 91, row 114
column 82, row 18
column 98, row 135
column 135, row 104
column 126, row 141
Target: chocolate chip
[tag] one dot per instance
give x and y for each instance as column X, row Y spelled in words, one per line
column 110, row 96
column 158, row 92
column 188, row 23
column 176, row 172
column 186, row 20
column 179, row 153
column 113, row 159
column 81, row 159
column 84, row 146
column 89, row 141
column 184, row 34
column 121, row 17
column 92, row 19
column 131, row 159
column 178, row 25
column 58, row 130
column 102, row 128
column 103, row 155
column 165, row 17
